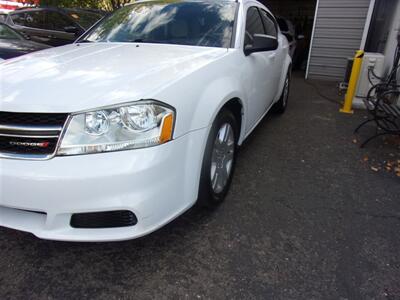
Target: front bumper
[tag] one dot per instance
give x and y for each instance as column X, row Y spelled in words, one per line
column 157, row 184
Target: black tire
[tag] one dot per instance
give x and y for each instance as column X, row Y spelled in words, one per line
column 280, row 106
column 208, row 197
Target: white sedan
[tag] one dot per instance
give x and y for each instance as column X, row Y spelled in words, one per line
column 118, row 134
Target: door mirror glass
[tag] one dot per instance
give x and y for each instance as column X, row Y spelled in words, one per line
column 261, row 43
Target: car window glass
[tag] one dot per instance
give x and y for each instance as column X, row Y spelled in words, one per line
column 85, row 19
column 7, row 33
column 3, row 18
column 195, row 23
column 254, row 25
column 282, row 25
column 33, row 19
column 57, row 21
column 269, row 24
column 19, row 19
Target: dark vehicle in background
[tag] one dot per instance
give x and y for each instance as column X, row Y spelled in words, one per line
column 297, row 43
column 13, row 44
column 86, row 18
column 52, row 26
column 287, row 28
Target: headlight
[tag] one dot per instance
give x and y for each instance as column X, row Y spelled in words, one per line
column 136, row 125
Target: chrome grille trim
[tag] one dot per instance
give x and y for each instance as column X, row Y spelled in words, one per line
column 19, row 128
column 30, row 136
column 41, row 133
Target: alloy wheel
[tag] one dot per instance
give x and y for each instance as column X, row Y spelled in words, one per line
column 222, row 158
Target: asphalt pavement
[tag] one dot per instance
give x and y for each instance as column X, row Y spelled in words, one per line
column 309, row 216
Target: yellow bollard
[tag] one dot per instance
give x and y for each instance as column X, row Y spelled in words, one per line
column 351, row 91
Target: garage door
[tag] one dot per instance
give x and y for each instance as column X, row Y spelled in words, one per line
column 338, row 32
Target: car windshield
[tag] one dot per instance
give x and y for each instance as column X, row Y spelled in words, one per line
column 7, row 33
column 207, row 24
column 83, row 18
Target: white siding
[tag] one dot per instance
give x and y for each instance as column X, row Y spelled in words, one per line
column 339, row 29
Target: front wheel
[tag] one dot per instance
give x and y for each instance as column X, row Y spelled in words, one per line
column 219, row 160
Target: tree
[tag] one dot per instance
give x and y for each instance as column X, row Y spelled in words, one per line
column 102, row 4
column 115, row 4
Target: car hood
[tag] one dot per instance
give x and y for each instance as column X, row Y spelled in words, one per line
column 85, row 76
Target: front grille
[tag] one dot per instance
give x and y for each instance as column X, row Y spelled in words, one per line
column 32, row 119
column 30, row 135
column 98, row 220
column 22, row 145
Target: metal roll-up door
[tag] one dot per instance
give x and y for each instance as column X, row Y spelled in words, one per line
column 338, row 32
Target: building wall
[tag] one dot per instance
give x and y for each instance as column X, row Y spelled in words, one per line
column 392, row 39
column 338, row 33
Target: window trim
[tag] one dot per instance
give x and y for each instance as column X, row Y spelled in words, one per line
column 235, row 28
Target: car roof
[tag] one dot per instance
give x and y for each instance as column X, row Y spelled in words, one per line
column 58, row 9
column 29, row 9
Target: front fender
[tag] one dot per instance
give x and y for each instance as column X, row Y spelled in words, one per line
column 199, row 97
column 215, row 96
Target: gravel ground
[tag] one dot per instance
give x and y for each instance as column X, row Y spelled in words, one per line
column 309, row 216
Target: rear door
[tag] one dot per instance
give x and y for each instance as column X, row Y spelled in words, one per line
column 271, row 29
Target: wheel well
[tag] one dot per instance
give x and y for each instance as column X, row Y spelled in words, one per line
column 236, row 107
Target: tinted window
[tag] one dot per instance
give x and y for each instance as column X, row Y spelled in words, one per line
column 33, row 19
column 269, row 24
column 3, row 17
column 254, row 25
column 85, row 19
column 57, row 21
column 7, row 33
column 19, row 19
column 185, row 23
column 282, row 25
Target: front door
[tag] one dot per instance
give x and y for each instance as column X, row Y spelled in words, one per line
column 260, row 80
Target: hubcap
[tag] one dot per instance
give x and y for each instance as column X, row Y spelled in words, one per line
column 222, row 158
column 286, row 92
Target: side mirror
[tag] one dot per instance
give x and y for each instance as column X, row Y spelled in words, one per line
column 71, row 29
column 261, row 43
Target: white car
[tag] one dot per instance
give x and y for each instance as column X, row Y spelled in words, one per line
column 114, row 136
